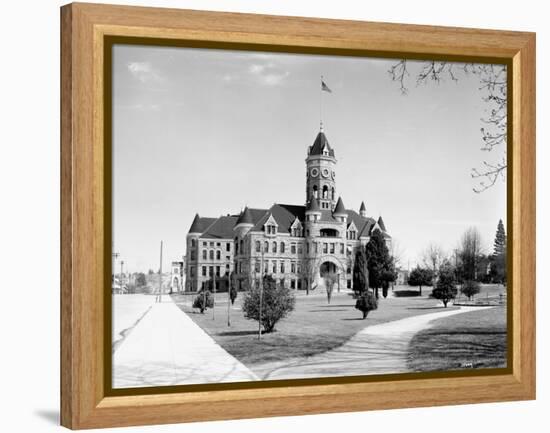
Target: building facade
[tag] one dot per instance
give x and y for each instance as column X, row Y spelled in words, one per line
column 299, row 245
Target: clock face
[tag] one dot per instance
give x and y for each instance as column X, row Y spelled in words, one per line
column 314, row 172
column 326, row 172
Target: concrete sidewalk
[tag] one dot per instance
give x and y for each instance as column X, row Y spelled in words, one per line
column 378, row 349
column 167, row 348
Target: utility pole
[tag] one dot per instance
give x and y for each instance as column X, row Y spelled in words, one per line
column 261, row 294
column 229, row 295
column 160, row 275
column 113, row 265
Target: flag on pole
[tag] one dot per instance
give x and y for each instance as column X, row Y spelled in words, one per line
column 324, row 87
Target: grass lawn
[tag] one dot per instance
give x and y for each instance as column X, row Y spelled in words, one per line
column 313, row 327
column 492, row 294
column 470, row 340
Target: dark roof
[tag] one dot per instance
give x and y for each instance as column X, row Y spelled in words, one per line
column 221, row 229
column 199, row 224
column 326, row 216
column 362, row 208
column 284, row 215
column 340, row 208
column 313, row 205
column 318, row 145
column 245, row 217
column 381, row 223
column 364, row 225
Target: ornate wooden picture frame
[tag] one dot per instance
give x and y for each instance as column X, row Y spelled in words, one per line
column 88, row 32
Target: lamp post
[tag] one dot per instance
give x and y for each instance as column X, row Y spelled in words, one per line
column 214, row 296
column 229, row 295
column 120, row 279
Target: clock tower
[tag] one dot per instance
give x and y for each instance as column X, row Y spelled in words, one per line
column 321, row 165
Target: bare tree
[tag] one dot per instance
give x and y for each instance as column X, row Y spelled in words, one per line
column 470, row 251
column 493, row 87
column 308, row 272
column 396, row 252
column 330, row 278
column 433, row 257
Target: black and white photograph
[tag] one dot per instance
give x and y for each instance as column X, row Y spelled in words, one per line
column 297, row 216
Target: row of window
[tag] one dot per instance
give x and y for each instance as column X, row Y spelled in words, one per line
column 211, row 244
column 325, row 247
column 209, row 271
column 296, row 232
column 325, row 194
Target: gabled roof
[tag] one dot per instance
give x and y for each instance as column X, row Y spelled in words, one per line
column 245, row 217
column 364, row 225
column 319, row 144
column 221, row 229
column 284, row 214
column 199, row 224
column 340, row 209
column 381, row 223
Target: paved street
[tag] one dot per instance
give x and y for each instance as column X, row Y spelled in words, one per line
column 167, row 348
column 378, row 349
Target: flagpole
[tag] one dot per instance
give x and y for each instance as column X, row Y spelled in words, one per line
column 321, row 103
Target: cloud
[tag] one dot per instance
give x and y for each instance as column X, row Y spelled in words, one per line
column 144, row 72
column 268, row 74
column 139, row 107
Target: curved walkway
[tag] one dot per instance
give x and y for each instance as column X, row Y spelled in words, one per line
column 167, row 348
column 378, row 349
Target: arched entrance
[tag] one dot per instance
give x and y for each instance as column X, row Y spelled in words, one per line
column 327, row 268
column 328, row 265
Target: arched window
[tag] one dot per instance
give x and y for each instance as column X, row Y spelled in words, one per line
column 218, row 255
column 282, row 247
column 266, row 246
column 241, row 246
column 274, row 247
column 193, row 242
column 204, row 254
column 236, row 246
column 258, row 246
column 315, row 191
column 332, row 193
column 325, row 192
column 211, row 254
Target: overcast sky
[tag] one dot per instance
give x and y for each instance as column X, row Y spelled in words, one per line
column 211, row 131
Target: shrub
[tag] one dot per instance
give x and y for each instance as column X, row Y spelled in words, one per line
column 203, row 301
column 470, row 288
column 445, row 289
column 366, row 302
column 277, row 303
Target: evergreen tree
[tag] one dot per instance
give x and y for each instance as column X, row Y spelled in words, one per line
column 381, row 269
column 500, row 240
column 498, row 259
column 360, row 272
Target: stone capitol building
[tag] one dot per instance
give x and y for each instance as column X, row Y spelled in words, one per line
column 296, row 244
